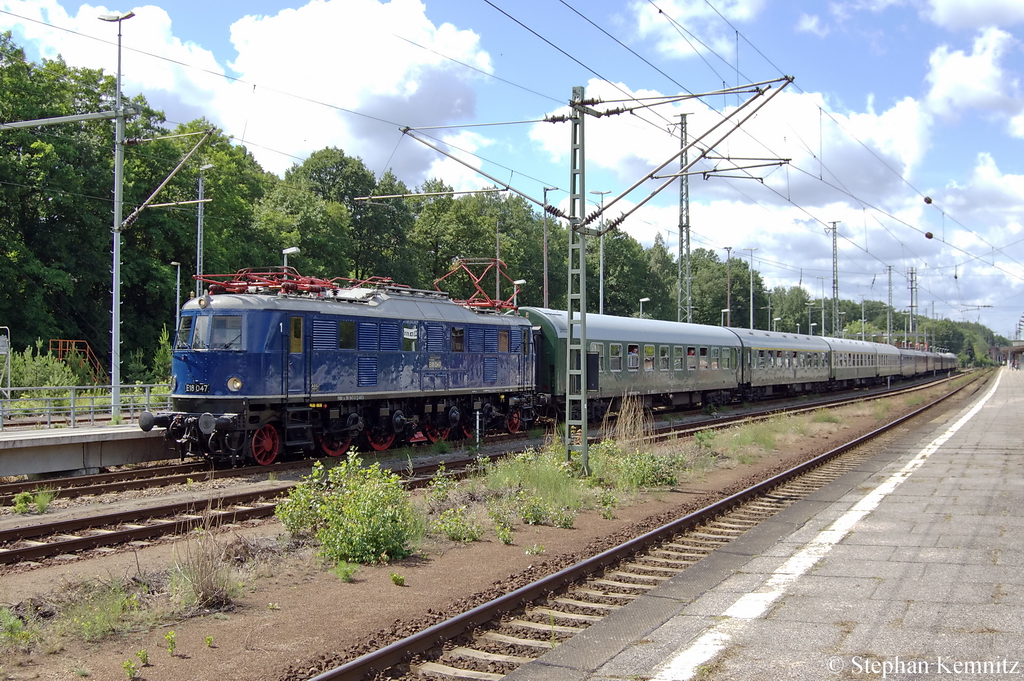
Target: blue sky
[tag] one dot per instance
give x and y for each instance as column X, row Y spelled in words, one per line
column 893, row 100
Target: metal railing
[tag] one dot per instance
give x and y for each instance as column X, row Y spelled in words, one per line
column 73, row 406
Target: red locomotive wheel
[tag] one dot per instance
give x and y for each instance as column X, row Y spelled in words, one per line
column 468, row 430
column 332, row 445
column 433, row 433
column 266, row 445
column 514, row 420
column 380, row 442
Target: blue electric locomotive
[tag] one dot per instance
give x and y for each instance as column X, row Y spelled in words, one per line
column 272, row 362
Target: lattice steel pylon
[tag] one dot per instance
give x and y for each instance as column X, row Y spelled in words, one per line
column 576, row 338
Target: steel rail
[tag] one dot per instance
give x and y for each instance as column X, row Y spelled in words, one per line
column 66, row 527
column 400, row 651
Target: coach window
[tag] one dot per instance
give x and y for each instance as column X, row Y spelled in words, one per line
column 664, row 357
column 703, row 358
column 760, row 359
column 727, row 358
column 691, row 358
column 458, row 339
column 598, row 349
column 632, row 357
column 184, row 334
column 648, row 358
column 410, row 334
column 502, row 340
column 615, row 356
column 677, row 357
column 202, row 327
column 226, row 333
column 295, row 337
column 714, row 358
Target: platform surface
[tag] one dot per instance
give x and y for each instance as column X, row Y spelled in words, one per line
column 909, row 567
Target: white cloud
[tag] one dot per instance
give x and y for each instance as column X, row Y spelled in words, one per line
column 298, row 68
column 975, row 14
column 811, row 23
column 677, row 25
column 976, row 81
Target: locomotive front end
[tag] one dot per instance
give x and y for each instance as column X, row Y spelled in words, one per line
column 213, row 376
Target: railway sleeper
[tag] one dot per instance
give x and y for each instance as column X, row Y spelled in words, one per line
column 517, row 642
column 555, row 615
column 543, row 628
column 585, row 605
column 435, row 670
column 469, row 659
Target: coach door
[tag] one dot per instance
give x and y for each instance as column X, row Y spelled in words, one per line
column 297, row 358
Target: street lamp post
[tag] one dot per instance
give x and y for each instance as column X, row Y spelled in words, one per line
column 115, row 313
column 515, row 294
column 813, row 324
column 725, row 311
column 291, row 250
column 642, row 301
column 775, row 323
column 600, row 293
column 546, row 190
column 177, row 294
column 199, row 231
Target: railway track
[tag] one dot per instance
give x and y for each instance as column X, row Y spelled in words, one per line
column 492, row 639
column 44, row 540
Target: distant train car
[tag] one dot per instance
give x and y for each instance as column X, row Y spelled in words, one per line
column 667, row 363
column 781, row 363
column 270, row 364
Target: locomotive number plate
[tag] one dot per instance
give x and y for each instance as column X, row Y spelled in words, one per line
column 197, row 387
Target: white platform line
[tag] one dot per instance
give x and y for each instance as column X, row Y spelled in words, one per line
column 688, row 659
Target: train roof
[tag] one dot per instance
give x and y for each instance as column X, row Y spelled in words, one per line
column 612, row 328
column 382, row 302
column 781, row 339
column 856, row 345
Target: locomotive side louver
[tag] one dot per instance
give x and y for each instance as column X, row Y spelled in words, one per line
column 367, row 371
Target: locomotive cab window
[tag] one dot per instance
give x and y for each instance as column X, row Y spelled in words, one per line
column 295, row 336
column 633, row 357
column 199, row 333
column 615, row 356
column 226, row 333
column 184, row 334
column 458, row 339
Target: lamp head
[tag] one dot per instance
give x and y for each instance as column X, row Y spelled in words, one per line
column 115, row 16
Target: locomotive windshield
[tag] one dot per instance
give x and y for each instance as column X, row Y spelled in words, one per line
column 204, row 332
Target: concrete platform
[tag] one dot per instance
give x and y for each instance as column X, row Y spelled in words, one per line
column 52, row 450
column 910, row 567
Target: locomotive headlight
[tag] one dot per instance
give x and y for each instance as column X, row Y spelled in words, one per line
column 234, row 384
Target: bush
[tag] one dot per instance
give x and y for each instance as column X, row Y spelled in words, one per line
column 457, row 525
column 359, row 515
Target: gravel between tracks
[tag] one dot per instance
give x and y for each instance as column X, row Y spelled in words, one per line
column 295, row 619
